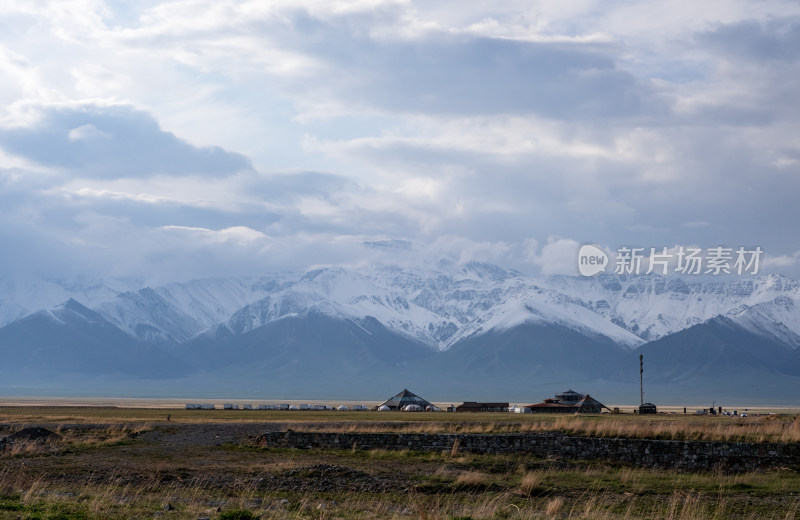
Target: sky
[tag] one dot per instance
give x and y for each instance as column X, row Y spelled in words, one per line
column 170, row 140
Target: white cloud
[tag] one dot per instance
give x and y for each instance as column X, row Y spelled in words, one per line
column 790, row 260
column 87, row 132
column 112, row 141
column 239, row 234
column 477, row 130
column 557, row 256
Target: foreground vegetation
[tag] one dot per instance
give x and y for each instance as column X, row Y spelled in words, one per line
column 112, row 463
column 783, row 428
column 768, row 428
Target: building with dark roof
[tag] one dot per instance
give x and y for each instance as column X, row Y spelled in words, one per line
column 407, row 399
column 551, row 406
column 569, row 402
column 649, row 408
column 569, row 397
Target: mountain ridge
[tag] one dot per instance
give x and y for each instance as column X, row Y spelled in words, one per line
column 441, row 308
column 451, row 317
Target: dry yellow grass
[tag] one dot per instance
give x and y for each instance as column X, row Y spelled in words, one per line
column 94, row 477
column 770, row 428
column 554, row 506
column 473, row 479
column 531, row 482
column 475, row 493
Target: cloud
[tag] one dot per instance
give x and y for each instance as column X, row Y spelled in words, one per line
column 790, row 260
column 112, row 141
column 471, row 75
column 770, row 41
column 193, row 137
column 557, row 256
column 87, row 132
column 237, row 234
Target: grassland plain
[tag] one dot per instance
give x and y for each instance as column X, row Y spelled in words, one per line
column 106, row 462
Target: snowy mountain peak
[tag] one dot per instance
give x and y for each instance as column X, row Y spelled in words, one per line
column 441, row 306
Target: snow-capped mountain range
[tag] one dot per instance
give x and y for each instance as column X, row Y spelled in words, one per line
column 440, row 308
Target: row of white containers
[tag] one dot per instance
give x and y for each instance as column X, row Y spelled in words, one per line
column 284, row 406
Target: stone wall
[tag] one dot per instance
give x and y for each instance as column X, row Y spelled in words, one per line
column 685, row 455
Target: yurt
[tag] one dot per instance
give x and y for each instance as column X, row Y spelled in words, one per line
column 405, row 398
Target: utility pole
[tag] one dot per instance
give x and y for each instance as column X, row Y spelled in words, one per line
column 641, row 377
column 650, row 408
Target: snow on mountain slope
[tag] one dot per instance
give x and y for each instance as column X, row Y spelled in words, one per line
column 437, row 305
column 437, row 308
column 776, row 319
column 178, row 311
column 347, row 294
column 24, row 295
column 548, row 307
column 653, row 306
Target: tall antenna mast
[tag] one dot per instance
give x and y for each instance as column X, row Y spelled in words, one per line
column 641, row 377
